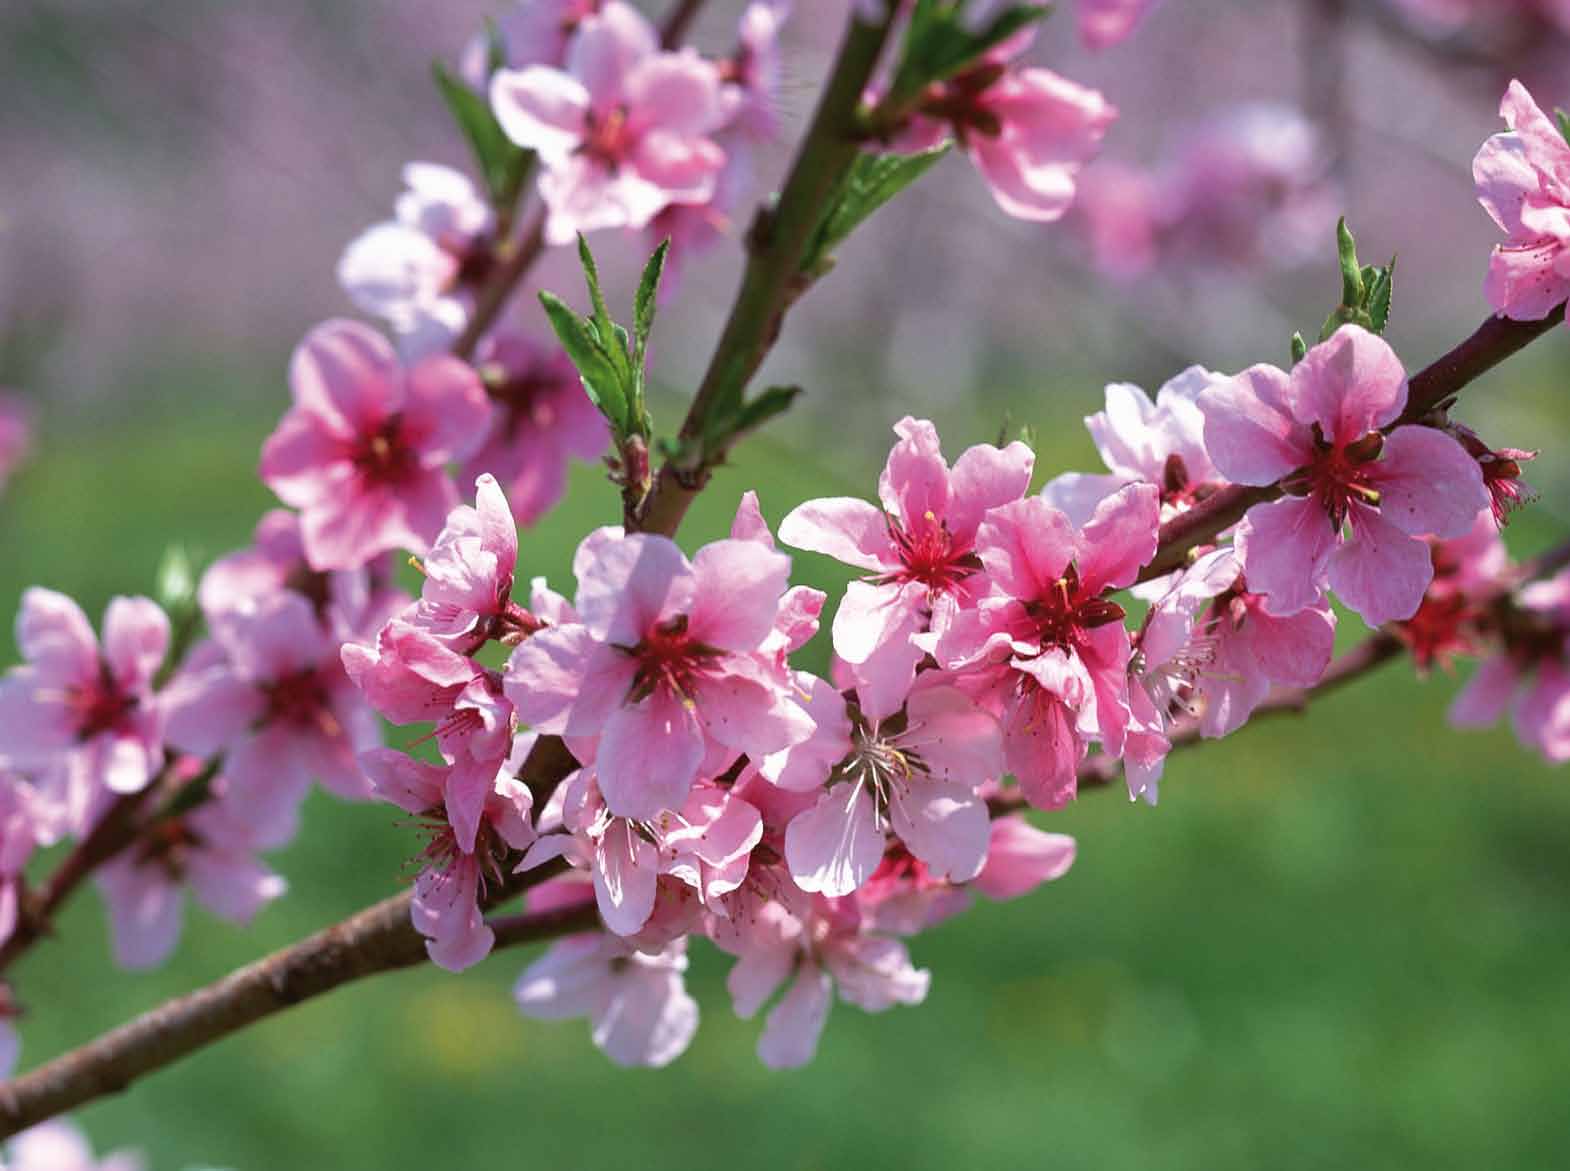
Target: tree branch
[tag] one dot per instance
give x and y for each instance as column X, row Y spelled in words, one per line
column 1490, row 344
column 379, row 939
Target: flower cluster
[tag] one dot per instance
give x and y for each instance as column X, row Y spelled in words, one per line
column 1249, row 187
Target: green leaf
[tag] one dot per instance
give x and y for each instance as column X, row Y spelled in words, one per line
column 503, row 163
column 644, row 303
column 938, row 45
column 600, row 378
column 872, row 181
column 605, row 329
column 749, row 416
column 1351, row 271
column 1379, row 292
column 1562, row 120
column 1299, row 348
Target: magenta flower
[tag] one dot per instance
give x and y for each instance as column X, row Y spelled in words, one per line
column 349, row 604
column 540, row 419
column 1050, row 647
column 636, row 1002
column 916, row 775
column 466, row 597
column 919, row 549
column 419, row 272
column 91, row 708
column 16, row 436
column 1105, row 23
column 1320, row 431
column 706, row 845
column 1528, row 675
column 1160, row 443
column 1523, row 182
column 1027, row 130
column 665, row 667
column 751, row 75
column 447, row 893
column 622, row 132
column 362, row 452
column 208, row 850
column 532, row 32
column 276, row 700
column 824, row 948
column 1021, row 857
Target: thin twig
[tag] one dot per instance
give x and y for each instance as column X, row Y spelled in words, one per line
column 676, row 26
column 777, row 242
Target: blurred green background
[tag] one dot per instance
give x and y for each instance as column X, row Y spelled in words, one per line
column 1342, row 940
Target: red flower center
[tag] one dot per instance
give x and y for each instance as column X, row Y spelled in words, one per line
column 1067, row 612
column 384, row 456
column 929, row 555
column 1338, row 476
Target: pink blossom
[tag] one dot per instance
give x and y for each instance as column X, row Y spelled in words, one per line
column 1160, row 443
column 1320, row 431
column 1529, row 673
column 1021, row 857
column 410, row 676
column 1048, row 646
column 1501, row 472
column 532, row 32
column 822, row 950
column 20, row 834
column 665, row 667
column 917, row 776
column 695, row 228
column 751, row 75
column 622, row 131
column 58, row 1146
column 637, row 1003
column 919, row 548
column 1105, row 23
column 1121, row 207
column 15, row 436
column 90, row 707
column 419, row 271
column 1027, row 130
column 362, row 451
column 145, row 886
column 276, row 700
column 466, row 597
column 540, row 420
column 1523, row 182
column 1470, row 573
column 448, row 891
column 705, row 844
column 350, row 604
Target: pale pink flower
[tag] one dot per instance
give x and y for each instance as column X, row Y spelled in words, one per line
column 1248, row 649
column 16, row 436
column 144, row 887
column 1105, row 23
column 466, row 597
column 918, row 549
column 1021, row 857
column 695, row 228
column 666, row 667
column 59, row 1146
column 1048, row 645
column 410, row 676
column 637, row 1003
column 278, row 703
column 419, row 271
column 916, row 775
column 705, row 844
column 540, row 420
column 91, row 707
column 363, row 450
column 1320, row 431
column 20, row 834
column 350, row 603
column 621, row 132
column 1160, row 443
column 1523, row 182
column 1529, row 675
column 532, row 32
column 1121, row 207
column 751, row 74
column 447, row 893
column 822, row 950
column 1027, row 130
